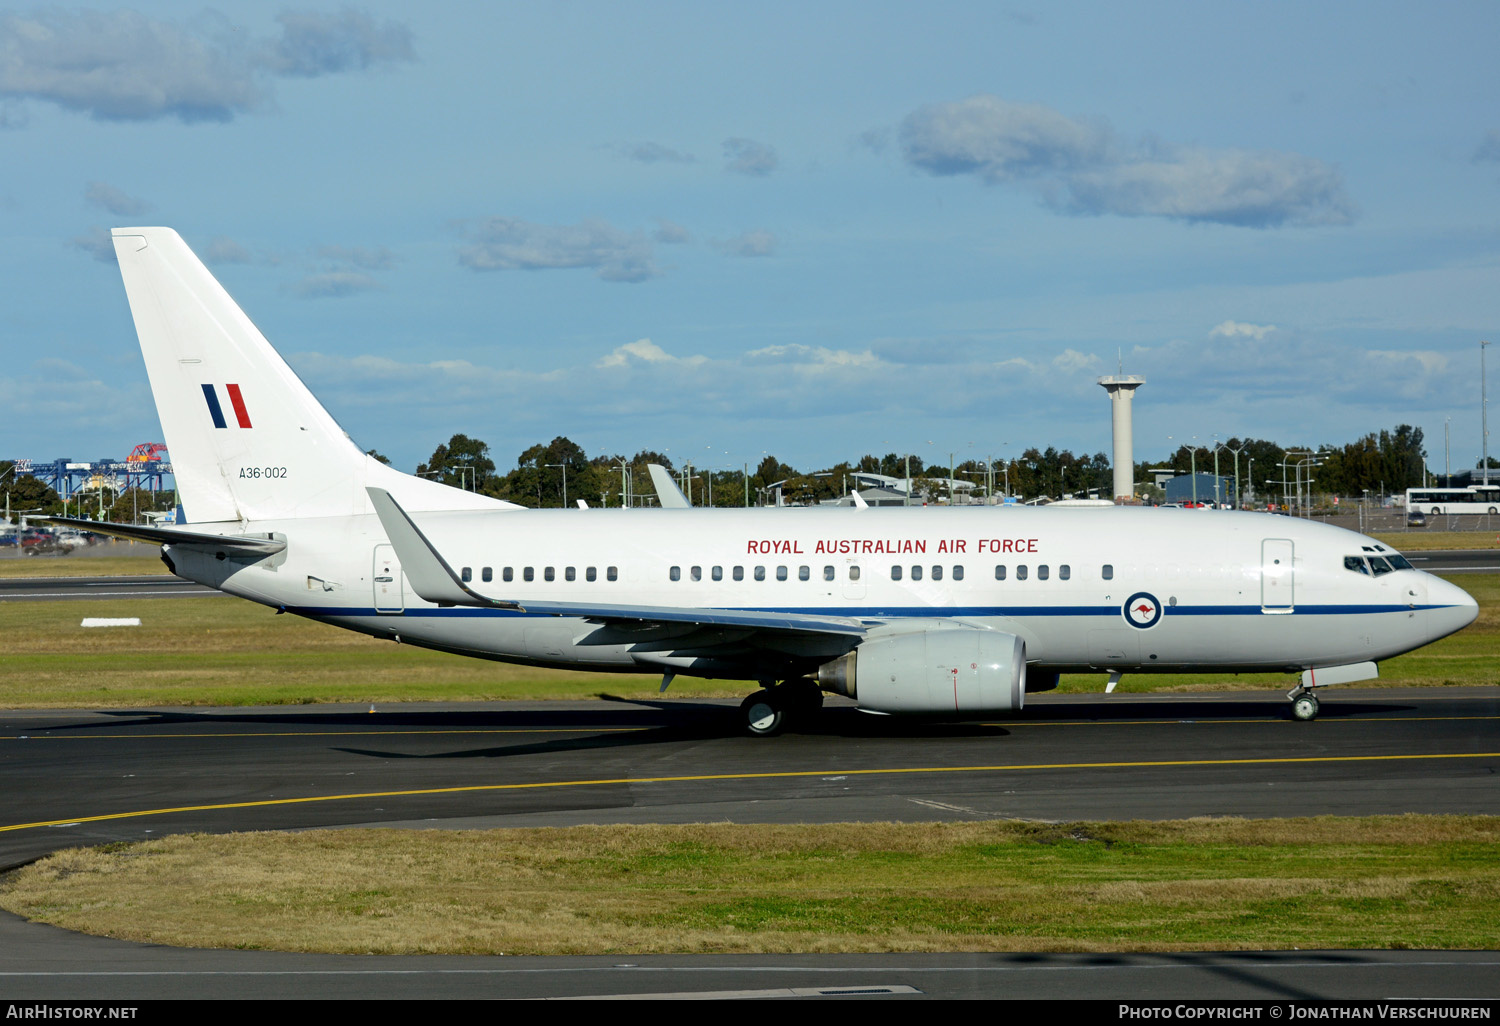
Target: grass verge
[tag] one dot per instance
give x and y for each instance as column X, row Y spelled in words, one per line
column 229, row 652
column 1217, row 884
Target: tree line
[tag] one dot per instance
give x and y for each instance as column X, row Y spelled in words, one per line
column 560, row 472
column 1379, row 463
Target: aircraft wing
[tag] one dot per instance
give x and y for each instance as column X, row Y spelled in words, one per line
column 238, row 544
column 434, row 580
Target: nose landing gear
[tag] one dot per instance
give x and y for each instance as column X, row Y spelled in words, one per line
column 1304, row 704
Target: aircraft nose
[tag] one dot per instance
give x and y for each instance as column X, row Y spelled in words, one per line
column 1453, row 608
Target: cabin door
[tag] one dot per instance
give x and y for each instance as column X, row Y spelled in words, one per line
column 1277, row 575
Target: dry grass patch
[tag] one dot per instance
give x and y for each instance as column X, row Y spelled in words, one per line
column 1406, row 881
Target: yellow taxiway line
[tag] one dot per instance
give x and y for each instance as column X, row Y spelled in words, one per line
column 783, row 774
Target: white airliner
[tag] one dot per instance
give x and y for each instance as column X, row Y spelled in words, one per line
column 955, row 612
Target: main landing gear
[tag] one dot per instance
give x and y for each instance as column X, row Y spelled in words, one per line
column 1304, row 704
column 770, row 710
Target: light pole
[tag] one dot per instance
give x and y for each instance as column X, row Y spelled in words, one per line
column 1238, row 504
column 1484, row 414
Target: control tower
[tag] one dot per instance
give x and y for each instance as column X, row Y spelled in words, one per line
column 1121, row 389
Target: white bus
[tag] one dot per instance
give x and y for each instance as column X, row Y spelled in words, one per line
column 1480, row 498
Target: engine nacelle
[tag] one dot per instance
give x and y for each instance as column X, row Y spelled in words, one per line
column 956, row 671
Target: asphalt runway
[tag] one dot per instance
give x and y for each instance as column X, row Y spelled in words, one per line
column 60, row 589
column 77, row 778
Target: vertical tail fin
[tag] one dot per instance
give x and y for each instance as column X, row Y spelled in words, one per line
column 248, row 440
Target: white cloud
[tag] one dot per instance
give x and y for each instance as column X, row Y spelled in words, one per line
column 335, row 284
column 1082, row 167
column 1232, row 329
column 97, row 243
column 653, row 153
column 313, row 44
column 124, row 66
column 509, row 243
column 748, row 157
column 106, row 196
column 811, row 357
column 999, row 140
column 1489, row 147
column 670, row 233
column 645, row 351
column 756, row 243
column 1072, row 361
column 224, row 250
column 368, row 258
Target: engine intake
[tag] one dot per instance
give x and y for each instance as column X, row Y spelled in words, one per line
column 954, row 671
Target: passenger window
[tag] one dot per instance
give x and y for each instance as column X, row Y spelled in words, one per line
column 999, row 571
column 1042, row 572
column 591, row 574
column 675, row 573
column 760, row 573
column 718, row 573
column 507, row 575
column 696, row 573
column 1021, row 572
column 613, row 573
column 570, row 574
column 739, row 573
column 781, row 573
column 550, row 574
column 1107, row 572
column 828, row 573
column 895, row 573
column 916, row 573
column 1064, row 572
column 528, row 574
column 937, row 573
column 854, row 573
column 467, row 575
column 1357, row 564
column 958, row 573
column 804, row 573
column 487, row 574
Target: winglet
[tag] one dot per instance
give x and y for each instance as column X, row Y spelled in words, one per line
column 668, row 495
column 859, row 500
column 429, row 574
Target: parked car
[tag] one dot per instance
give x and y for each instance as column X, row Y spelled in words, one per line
column 1416, row 518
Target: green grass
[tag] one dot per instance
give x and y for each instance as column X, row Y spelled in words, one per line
column 229, row 652
column 1223, row 884
column 124, row 558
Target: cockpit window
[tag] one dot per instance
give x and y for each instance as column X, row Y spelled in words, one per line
column 1400, row 562
column 1357, row 564
column 1380, row 566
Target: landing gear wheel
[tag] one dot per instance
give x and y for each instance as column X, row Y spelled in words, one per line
column 763, row 714
column 1305, row 707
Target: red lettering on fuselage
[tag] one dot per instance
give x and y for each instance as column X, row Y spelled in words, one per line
column 998, row 545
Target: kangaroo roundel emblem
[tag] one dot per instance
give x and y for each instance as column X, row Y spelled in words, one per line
column 1142, row 610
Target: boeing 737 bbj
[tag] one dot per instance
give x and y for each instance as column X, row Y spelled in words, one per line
column 955, row 612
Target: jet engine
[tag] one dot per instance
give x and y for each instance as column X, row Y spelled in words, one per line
column 958, row 671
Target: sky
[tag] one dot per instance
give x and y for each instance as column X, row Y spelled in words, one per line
column 813, row 230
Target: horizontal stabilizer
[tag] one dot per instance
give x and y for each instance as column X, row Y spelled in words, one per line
column 239, row 544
